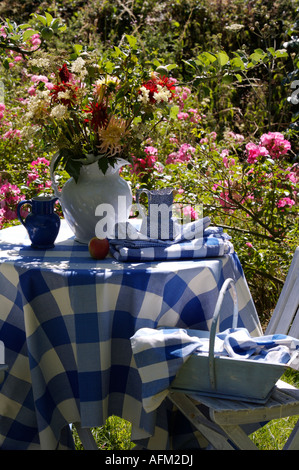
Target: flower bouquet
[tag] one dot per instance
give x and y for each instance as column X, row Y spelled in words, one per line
column 96, row 113
column 92, row 109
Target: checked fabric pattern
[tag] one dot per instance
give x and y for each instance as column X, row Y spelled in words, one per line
column 66, row 321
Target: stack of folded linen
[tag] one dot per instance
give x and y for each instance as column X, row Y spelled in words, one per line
column 192, row 240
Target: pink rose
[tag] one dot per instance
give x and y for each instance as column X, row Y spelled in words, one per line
column 31, row 91
column 254, row 151
column 183, row 116
column 275, row 143
column 285, row 201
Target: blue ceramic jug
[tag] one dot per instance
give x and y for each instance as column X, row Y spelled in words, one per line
column 158, row 223
column 42, row 223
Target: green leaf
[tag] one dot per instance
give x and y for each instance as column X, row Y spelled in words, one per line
column 257, row 55
column 237, row 63
column 72, row 167
column 209, row 56
column 281, row 53
column 222, row 58
column 259, row 51
column 15, row 38
column 9, row 25
column 137, row 120
column 55, row 23
column 131, row 40
column 5, row 64
column 227, row 79
column 41, row 18
column 118, row 52
column 103, row 164
column 27, row 34
column 171, row 67
column 174, row 110
column 156, row 63
column 191, row 63
column 271, row 50
column 49, row 18
column 109, row 66
column 77, row 48
column 206, row 58
column 24, row 26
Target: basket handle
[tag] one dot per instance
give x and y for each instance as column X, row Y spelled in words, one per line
column 222, row 292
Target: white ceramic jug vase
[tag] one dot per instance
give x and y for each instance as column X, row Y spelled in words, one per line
column 95, row 200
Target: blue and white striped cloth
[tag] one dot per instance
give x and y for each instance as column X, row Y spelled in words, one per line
column 160, row 353
column 194, row 240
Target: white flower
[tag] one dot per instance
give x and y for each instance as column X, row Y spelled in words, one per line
column 41, row 62
column 64, row 95
column 38, row 104
column 78, row 67
column 234, row 27
column 106, row 80
column 59, row 112
column 102, row 83
column 144, row 96
column 163, row 94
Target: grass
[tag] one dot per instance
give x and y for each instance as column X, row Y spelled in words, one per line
column 116, row 433
column 274, row 435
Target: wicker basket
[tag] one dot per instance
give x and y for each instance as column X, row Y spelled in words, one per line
column 227, row 377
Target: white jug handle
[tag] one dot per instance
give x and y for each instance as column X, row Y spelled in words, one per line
column 57, row 192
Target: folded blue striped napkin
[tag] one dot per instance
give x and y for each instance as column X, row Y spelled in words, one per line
column 193, row 240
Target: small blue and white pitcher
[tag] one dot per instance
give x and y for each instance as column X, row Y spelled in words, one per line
column 42, row 223
column 158, row 223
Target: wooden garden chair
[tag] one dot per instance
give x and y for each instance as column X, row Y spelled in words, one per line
column 3, row 366
column 221, row 421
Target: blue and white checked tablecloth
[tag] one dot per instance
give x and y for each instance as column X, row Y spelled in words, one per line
column 66, row 321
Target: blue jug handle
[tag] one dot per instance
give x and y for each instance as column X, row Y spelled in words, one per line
column 19, row 211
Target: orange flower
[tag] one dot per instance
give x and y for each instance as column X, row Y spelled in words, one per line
column 111, row 137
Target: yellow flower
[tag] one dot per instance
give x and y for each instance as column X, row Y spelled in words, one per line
column 111, row 137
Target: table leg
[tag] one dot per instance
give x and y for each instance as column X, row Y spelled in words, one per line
column 86, row 437
column 238, row 437
column 208, row 429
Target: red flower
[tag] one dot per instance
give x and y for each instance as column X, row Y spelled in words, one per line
column 152, row 86
column 68, row 88
column 64, row 74
column 167, row 82
column 99, row 116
